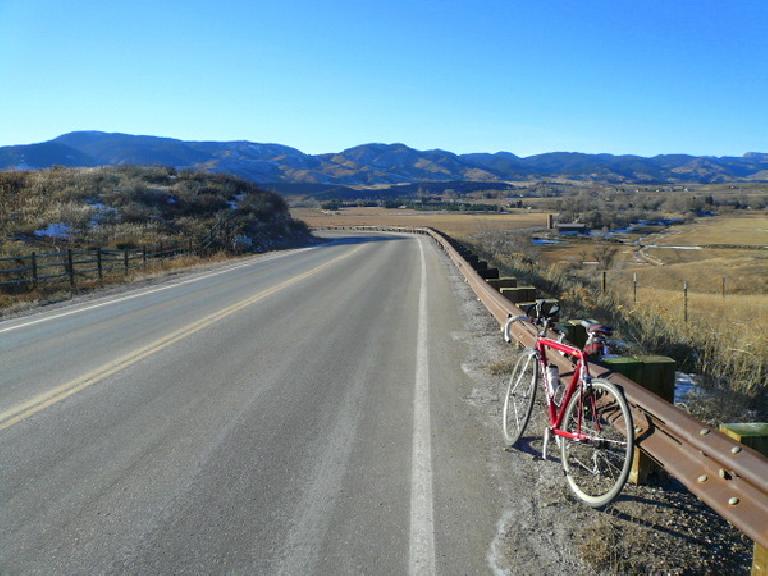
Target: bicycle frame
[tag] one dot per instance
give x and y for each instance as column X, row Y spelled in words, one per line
column 580, row 376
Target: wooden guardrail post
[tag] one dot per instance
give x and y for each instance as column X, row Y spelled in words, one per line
column 654, row 373
column 34, row 270
column 70, row 269
column 575, row 332
column 99, row 266
column 754, row 435
column 489, row 274
column 503, row 282
column 519, row 294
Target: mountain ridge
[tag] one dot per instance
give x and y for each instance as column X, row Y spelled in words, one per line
column 373, row 163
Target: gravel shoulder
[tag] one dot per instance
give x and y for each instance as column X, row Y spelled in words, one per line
column 659, row 528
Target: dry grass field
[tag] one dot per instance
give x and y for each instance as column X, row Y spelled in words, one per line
column 457, row 224
column 751, row 230
column 745, row 270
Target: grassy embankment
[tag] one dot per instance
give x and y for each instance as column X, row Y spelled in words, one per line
column 135, row 207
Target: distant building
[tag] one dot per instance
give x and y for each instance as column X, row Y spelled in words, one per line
column 572, row 229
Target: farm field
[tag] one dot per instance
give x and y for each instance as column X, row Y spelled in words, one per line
column 458, row 224
column 751, row 230
column 745, row 270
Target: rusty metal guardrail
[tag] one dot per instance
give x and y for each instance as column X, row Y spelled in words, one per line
column 728, row 476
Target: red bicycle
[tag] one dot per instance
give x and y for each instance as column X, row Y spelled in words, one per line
column 588, row 417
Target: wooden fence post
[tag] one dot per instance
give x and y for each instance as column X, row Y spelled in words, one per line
column 144, row 257
column 34, row 270
column 685, row 300
column 604, row 283
column 71, row 269
column 125, row 261
column 99, row 268
column 723, row 286
column 634, row 287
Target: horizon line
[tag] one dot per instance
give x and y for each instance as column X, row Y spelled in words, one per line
column 436, row 149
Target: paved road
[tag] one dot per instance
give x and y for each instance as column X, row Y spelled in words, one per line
column 293, row 414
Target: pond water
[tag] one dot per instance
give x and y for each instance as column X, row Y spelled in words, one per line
column 57, row 230
column 687, row 386
column 540, row 241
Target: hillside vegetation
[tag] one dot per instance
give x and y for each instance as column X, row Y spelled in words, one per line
column 136, row 206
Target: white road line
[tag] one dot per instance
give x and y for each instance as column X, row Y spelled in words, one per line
column 132, row 295
column 421, row 557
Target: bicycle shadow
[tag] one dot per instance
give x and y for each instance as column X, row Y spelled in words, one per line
column 651, row 525
column 534, row 445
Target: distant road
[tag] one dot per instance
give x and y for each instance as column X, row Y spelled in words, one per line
column 293, row 414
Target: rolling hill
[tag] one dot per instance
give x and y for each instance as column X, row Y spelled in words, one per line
column 369, row 164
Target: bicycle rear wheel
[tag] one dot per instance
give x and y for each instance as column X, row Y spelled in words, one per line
column 597, row 465
column 518, row 401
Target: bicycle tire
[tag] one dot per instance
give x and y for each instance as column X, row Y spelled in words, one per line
column 597, row 469
column 519, row 398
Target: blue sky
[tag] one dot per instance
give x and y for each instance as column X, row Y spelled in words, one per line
column 642, row 77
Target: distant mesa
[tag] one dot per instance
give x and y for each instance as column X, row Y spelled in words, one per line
column 369, row 164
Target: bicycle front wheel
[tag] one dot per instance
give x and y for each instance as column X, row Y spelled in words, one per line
column 598, row 460
column 518, row 401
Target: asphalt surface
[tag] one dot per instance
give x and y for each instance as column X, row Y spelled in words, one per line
column 295, row 414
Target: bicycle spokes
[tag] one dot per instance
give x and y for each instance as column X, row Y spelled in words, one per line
column 597, row 452
column 519, row 398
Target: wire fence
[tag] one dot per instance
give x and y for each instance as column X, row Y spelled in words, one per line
column 72, row 266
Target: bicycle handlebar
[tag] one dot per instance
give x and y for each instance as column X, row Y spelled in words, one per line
column 508, row 325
